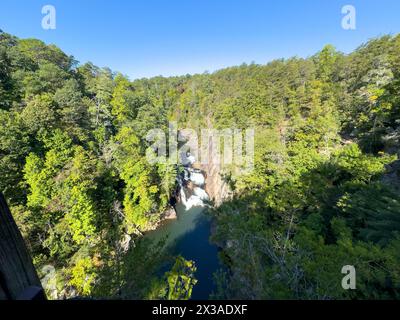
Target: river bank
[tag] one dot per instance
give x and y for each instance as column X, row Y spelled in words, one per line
column 188, row 234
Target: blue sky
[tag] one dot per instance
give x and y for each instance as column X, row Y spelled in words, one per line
column 154, row 37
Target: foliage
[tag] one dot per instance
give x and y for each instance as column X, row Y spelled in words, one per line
column 323, row 192
column 181, row 279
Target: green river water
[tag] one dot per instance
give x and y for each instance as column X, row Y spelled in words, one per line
column 188, row 236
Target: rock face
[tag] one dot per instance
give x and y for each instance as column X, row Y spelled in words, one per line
column 170, row 214
column 216, row 188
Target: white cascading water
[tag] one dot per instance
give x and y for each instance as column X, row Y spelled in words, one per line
column 192, row 201
column 199, row 192
column 197, row 178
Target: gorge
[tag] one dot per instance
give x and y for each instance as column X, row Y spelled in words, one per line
column 323, row 191
column 189, row 234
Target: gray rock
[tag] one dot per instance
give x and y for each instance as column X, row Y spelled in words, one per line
column 170, row 214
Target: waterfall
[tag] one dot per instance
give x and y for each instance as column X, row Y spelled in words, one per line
column 199, row 192
column 197, row 178
column 192, row 201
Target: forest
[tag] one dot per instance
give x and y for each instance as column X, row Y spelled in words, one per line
column 324, row 192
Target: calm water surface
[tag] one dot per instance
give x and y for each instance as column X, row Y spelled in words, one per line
column 189, row 236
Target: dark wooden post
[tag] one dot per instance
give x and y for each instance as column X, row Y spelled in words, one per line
column 18, row 277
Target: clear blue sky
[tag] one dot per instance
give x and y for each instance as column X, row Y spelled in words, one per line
column 170, row 37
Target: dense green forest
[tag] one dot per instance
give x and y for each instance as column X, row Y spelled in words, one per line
column 324, row 191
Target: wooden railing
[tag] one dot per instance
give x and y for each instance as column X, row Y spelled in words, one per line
column 18, row 277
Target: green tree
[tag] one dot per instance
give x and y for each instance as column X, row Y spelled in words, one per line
column 181, row 279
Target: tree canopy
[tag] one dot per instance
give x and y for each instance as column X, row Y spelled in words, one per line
column 324, row 191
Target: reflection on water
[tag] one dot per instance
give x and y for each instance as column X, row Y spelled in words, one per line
column 189, row 237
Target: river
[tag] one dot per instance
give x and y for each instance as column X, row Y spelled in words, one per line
column 189, row 234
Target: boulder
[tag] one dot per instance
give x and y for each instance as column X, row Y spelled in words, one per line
column 170, row 214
